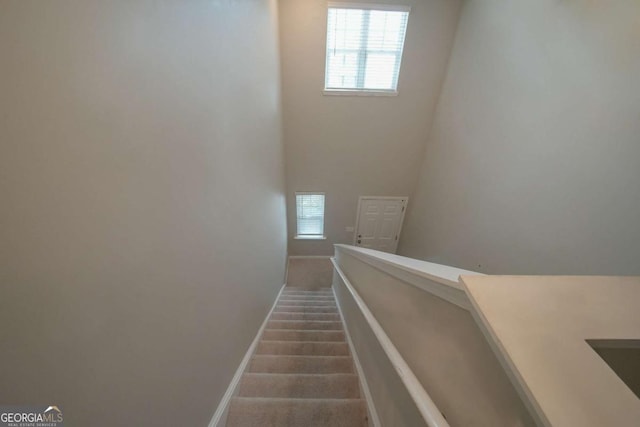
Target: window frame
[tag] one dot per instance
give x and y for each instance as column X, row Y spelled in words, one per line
column 364, row 91
column 324, row 209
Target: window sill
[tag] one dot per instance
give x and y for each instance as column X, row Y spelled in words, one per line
column 346, row 92
column 303, row 237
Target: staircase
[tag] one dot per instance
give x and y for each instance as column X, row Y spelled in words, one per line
column 302, row 373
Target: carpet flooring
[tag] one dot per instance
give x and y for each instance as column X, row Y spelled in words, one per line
column 302, row 373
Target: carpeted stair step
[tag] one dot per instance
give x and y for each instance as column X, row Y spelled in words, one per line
column 303, row 297
column 336, row 386
column 303, row 348
column 305, row 324
column 298, row 335
column 308, row 303
column 308, row 296
column 283, row 315
column 308, row 290
column 301, row 309
column 280, row 412
column 302, row 373
column 280, row 364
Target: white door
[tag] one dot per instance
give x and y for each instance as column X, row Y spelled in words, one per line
column 379, row 221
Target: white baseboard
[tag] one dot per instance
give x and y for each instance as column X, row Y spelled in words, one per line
column 219, row 418
column 374, row 421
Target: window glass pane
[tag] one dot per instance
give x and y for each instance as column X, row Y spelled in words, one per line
column 380, row 71
column 310, row 214
column 364, row 48
column 344, row 29
column 344, row 68
column 385, row 29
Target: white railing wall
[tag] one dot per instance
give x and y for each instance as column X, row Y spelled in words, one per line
column 411, row 319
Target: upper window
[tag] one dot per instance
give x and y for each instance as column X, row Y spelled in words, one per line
column 364, row 47
column 310, row 215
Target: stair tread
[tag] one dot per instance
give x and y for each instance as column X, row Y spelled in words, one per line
column 278, row 356
column 303, row 335
column 319, row 348
column 304, row 330
column 310, row 294
column 285, row 412
column 303, row 342
column 297, row 295
column 307, row 304
column 325, row 306
column 285, row 315
column 310, row 321
column 304, row 364
column 291, row 309
column 295, row 312
column 306, row 301
column 324, row 325
column 295, row 385
column 301, row 375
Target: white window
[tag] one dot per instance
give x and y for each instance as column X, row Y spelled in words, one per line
column 364, row 48
column 310, row 215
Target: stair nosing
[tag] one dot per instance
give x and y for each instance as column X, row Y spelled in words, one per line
column 304, row 342
column 302, row 355
column 308, row 301
column 302, row 399
column 306, row 330
column 296, row 312
column 307, row 306
column 293, row 374
column 307, row 296
column 302, row 320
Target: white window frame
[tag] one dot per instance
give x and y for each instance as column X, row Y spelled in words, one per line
column 363, row 92
column 310, row 236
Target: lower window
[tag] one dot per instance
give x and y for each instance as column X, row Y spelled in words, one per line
column 309, row 215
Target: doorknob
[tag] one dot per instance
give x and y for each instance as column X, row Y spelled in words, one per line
column 359, row 236
column 358, row 241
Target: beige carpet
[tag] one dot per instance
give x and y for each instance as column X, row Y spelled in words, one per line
column 302, row 373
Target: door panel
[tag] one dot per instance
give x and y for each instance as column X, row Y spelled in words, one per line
column 379, row 222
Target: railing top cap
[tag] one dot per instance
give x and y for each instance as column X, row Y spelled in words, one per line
column 440, row 273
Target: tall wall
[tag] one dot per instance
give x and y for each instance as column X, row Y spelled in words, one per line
column 142, row 230
column 533, row 162
column 352, row 146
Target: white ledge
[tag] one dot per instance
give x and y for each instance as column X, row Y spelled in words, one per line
column 540, row 328
column 439, row 280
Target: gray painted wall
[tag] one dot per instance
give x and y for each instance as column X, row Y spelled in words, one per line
column 352, row 146
column 138, row 140
column 309, row 273
column 533, row 162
